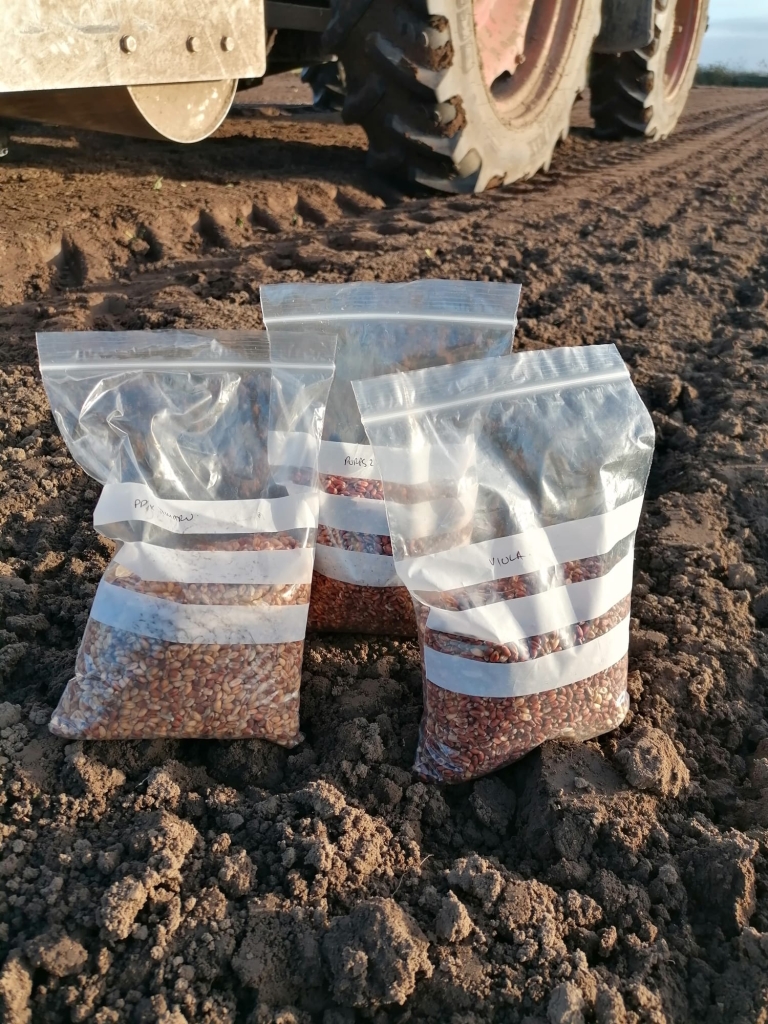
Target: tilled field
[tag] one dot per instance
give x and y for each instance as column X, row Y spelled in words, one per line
column 624, row 881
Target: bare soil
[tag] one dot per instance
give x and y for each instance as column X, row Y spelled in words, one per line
column 623, row 881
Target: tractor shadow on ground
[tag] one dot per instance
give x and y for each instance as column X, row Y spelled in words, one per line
column 254, row 144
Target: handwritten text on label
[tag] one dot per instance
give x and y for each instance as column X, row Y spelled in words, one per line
column 147, row 506
column 505, row 559
column 358, row 462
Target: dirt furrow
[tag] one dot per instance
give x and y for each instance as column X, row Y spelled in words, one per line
column 622, row 881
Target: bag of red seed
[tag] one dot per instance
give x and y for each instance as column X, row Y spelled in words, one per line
column 523, row 611
column 381, row 328
column 197, row 627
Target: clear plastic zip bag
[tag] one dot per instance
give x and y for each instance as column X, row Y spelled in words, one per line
column 197, row 628
column 524, row 617
column 381, row 328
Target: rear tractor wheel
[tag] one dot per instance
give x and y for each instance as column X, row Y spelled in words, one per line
column 643, row 92
column 462, row 95
column 327, row 84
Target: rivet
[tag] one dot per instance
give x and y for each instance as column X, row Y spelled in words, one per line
column 228, row 44
column 193, row 44
column 128, row 44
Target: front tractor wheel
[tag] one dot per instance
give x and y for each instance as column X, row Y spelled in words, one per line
column 462, row 95
column 643, row 92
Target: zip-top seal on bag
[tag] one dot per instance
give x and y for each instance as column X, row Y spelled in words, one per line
column 381, row 328
column 523, row 614
column 197, row 627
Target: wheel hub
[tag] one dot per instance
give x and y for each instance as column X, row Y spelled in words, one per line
column 688, row 14
column 522, row 45
column 500, row 29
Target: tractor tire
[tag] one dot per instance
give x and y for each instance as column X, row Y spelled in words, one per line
column 327, row 84
column 643, row 92
column 416, row 84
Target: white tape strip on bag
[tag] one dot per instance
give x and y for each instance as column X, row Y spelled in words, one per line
column 292, row 448
column 484, row 679
column 426, row 464
column 121, row 503
column 357, row 461
column 358, row 567
column 150, row 616
column 422, row 519
column 522, row 617
column 152, row 562
column 425, row 519
column 360, row 515
column 333, row 458
column 520, row 554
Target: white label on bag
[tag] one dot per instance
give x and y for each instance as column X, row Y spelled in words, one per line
column 341, row 458
column 334, row 458
column 485, row 679
column 360, row 515
column 521, row 617
column 121, row 503
column 155, row 563
column 520, row 554
column 426, row 463
column 150, row 616
column 422, row 519
column 357, row 461
column 358, row 567
column 426, row 519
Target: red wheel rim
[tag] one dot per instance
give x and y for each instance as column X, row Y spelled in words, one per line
column 684, row 33
column 521, row 46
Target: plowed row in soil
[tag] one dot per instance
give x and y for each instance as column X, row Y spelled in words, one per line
column 623, row 881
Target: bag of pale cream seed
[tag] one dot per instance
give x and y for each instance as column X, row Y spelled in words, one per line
column 197, row 627
column 381, row 328
column 524, row 615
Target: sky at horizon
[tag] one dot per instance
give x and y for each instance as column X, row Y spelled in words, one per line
column 720, row 9
column 738, row 34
